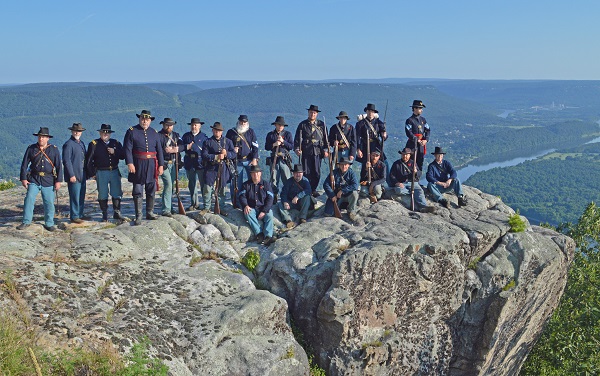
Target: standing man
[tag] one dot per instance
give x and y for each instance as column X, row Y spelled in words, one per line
column 343, row 135
column 73, row 152
column 441, row 178
column 346, row 189
column 216, row 152
column 102, row 164
column 417, row 127
column 41, row 171
column 369, row 129
column 144, row 158
column 246, row 147
column 401, row 177
column 311, row 145
column 295, row 195
column 192, row 161
column 256, row 199
column 378, row 176
column 172, row 145
column 279, row 142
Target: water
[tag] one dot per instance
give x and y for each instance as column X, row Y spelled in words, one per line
column 465, row 172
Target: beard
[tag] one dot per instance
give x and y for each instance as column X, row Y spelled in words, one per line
column 242, row 128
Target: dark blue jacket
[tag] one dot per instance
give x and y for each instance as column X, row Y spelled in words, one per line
column 210, row 150
column 73, row 155
column 346, row 182
column 349, row 132
column 98, row 158
column 193, row 157
column 41, row 169
column 292, row 188
column 249, row 148
column 286, row 147
column 258, row 196
column 312, row 137
column 137, row 140
column 402, row 172
column 378, row 173
column 364, row 133
column 436, row 173
column 416, row 125
column 172, row 141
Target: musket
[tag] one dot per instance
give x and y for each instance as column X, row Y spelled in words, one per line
column 336, row 209
column 412, row 184
column 179, row 203
column 384, row 126
column 235, row 181
column 218, row 187
column 372, row 196
column 274, row 163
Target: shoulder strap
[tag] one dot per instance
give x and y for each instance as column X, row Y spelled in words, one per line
column 342, row 134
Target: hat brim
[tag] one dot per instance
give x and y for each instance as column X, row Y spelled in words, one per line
column 217, row 128
column 151, row 117
column 344, row 116
column 38, row 134
column 434, row 153
column 312, row 109
column 168, row 123
column 401, row 152
column 417, row 106
column 375, row 111
column 275, row 123
column 76, row 129
column 106, row 130
column 346, row 162
column 201, row 123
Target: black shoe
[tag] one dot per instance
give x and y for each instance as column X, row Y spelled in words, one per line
column 167, row 214
column 191, row 207
column 260, row 237
column 302, row 220
column 316, row 194
column 462, row 200
column 269, row 240
column 50, row 228
column 444, row 203
column 426, row 209
column 23, row 226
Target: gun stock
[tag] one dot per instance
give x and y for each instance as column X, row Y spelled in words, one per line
column 217, row 209
column 372, row 196
column 412, row 184
column 179, row 203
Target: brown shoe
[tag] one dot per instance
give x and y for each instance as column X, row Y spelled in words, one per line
column 77, row 220
column 290, row 224
column 302, row 220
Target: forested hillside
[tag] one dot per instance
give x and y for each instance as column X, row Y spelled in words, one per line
column 553, row 189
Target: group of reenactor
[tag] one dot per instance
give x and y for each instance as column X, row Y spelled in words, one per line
column 213, row 163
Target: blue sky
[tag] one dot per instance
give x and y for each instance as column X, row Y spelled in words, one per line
column 137, row 41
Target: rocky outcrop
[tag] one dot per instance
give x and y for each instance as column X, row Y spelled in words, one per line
column 394, row 293
column 402, row 293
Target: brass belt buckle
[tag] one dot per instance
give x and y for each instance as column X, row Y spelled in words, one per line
column 41, row 173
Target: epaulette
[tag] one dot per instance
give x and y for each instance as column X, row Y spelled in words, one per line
column 94, row 142
column 130, row 128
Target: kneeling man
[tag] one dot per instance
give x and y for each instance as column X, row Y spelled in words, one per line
column 345, row 189
column 256, row 198
column 296, row 194
column 401, row 179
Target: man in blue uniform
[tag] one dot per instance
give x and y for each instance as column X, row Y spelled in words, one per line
column 372, row 130
column 144, row 158
column 441, row 178
column 345, row 191
column 310, row 143
column 217, row 152
column 401, row 176
column 378, row 176
column 102, row 164
column 41, row 171
column 343, row 135
column 246, row 147
column 416, row 128
column 256, row 199
column 73, row 156
column 172, row 145
column 192, row 161
column 295, row 195
column 279, row 142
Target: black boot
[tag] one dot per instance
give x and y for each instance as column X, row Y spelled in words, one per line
column 117, row 209
column 104, row 208
column 137, row 202
column 150, row 208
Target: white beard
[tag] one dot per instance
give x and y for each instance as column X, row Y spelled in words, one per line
column 241, row 129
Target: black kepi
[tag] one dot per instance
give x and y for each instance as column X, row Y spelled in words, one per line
column 243, row 118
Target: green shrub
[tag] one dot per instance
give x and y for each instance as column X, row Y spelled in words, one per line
column 251, row 260
column 517, row 224
column 8, row 184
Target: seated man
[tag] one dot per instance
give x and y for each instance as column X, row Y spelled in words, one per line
column 401, row 180
column 378, row 176
column 344, row 189
column 256, row 198
column 441, row 178
column 295, row 195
